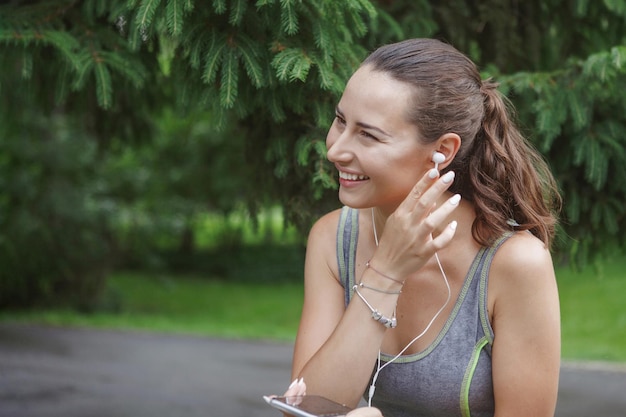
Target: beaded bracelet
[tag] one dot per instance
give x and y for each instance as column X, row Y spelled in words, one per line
column 389, row 323
column 369, row 265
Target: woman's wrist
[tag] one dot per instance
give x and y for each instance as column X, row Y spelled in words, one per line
column 369, row 265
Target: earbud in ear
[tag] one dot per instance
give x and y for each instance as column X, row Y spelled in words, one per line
column 438, row 158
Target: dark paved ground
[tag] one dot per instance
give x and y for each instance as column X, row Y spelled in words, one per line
column 58, row 372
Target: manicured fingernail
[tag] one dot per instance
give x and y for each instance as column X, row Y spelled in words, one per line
column 453, row 225
column 432, row 174
column 293, row 384
column 454, row 200
column 448, row 177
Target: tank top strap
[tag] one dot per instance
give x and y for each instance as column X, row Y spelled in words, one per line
column 482, row 274
column 347, row 238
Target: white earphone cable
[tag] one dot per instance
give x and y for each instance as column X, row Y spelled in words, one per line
column 379, row 368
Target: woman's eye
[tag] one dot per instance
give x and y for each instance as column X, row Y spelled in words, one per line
column 340, row 120
column 368, row 135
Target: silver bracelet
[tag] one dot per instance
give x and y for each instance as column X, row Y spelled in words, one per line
column 369, row 265
column 389, row 323
column 379, row 290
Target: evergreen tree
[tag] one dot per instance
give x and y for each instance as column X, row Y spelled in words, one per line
column 85, row 79
column 106, row 69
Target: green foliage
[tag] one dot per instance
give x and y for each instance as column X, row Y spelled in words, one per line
column 156, row 208
column 54, row 244
column 111, row 70
column 190, row 105
column 578, row 125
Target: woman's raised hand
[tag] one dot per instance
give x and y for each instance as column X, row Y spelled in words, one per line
column 407, row 242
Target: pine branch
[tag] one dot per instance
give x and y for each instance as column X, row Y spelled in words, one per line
column 291, row 64
column 103, row 84
column 237, row 11
column 288, row 17
column 174, row 11
column 194, row 42
column 63, row 42
column 85, row 65
column 146, row 12
column 322, row 112
column 251, row 59
column 261, row 3
column 213, row 57
column 219, row 6
column 230, row 77
column 126, row 65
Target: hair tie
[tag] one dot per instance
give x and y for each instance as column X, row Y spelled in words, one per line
column 488, row 85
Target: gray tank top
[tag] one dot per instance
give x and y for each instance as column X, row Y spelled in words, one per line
column 452, row 376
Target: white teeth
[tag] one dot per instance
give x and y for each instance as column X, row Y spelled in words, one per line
column 352, row 177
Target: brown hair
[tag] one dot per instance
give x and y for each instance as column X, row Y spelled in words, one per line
column 497, row 169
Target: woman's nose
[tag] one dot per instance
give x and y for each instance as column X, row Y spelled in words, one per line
column 338, row 147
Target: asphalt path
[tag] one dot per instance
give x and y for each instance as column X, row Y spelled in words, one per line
column 70, row 372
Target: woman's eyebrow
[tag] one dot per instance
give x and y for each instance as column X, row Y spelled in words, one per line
column 362, row 124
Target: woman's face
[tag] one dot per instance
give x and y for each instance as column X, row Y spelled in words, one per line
column 376, row 150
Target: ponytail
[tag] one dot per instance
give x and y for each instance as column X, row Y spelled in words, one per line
column 510, row 181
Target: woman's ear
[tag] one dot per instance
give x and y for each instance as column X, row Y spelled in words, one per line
column 448, row 145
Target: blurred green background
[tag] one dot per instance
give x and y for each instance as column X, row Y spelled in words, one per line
column 161, row 161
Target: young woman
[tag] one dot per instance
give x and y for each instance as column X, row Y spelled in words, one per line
column 432, row 292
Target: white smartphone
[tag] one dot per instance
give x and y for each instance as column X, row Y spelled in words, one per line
column 308, row 406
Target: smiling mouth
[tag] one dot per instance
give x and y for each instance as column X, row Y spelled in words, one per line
column 352, row 177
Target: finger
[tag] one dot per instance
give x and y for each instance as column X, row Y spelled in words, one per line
column 296, row 389
column 432, row 194
column 444, row 237
column 301, row 387
column 426, row 192
column 424, row 206
column 427, row 180
column 436, row 220
column 292, row 389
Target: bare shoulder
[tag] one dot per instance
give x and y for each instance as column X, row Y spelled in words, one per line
column 521, row 254
column 327, row 224
column 522, row 267
column 324, row 230
column 321, row 246
column 523, row 262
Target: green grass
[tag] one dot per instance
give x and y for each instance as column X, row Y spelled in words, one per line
column 593, row 311
column 187, row 305
column 592, row 307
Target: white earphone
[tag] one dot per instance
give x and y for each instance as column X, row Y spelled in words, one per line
column 438, row 158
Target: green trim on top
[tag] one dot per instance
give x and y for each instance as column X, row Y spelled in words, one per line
column 483, row 310
column 354, row 233
column 343, row 218
column 469, row 374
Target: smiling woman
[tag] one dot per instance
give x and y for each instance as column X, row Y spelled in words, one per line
column 429, row 294
column 382, row 140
